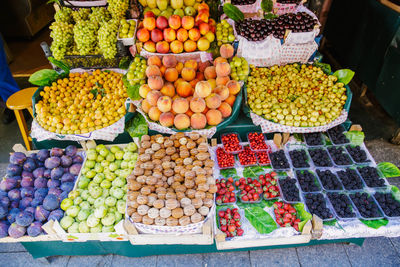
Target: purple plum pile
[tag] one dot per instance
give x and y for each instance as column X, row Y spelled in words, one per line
column 34, row 186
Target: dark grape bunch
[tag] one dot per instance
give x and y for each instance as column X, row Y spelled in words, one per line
column 357, row 154
column 350, row 179
column 339, row 156
column 313, row 139
column 337, row 136
column 242, row 2
column 288, row 1
column 342, row 205
column 289, row 189
column 329, row 180
column 299, row 158
column 278, row 160
column 316, row 204
column 389, row 205
column 320, row 157
column 371, row 176
column 307, row 181
column 365, row 205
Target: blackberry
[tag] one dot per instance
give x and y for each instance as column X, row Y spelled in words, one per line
column 242, row 2
column 307, row 181
column 365, row 205
column 337, row 136
column 320, row 157
column 313, row 139
column 278, row 160
column 339, row 156
column 342, row 205
column 389, row 205
column 316, row 204
column 329, row 180
column 299, row 158
column 357, row 154
column 371, row 176
column 289, row 189
column 350, row 179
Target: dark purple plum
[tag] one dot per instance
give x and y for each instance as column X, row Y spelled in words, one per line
column 24, row 218
column 5, row 201
column 26, row 174
column 66, row 161
column 12, row 214
column 47, row 173
column 56, row 173
column 27, row 192
column 14, row 204
column 40, row 183
column 41, row 214
column 17, row 158
column 39, row 172
column 25, row 202
column 55, row 191
column 30, row 209
column 67, row 186
column 51, row 202
column 3, row 229
column 75, row 168
column 52, row 162
column 63, row 195
column 56, row 152
column 41, row 193
column 39, row 163
column 16, row 231
column 8, row 184
column 14, row 195
column 35, row 229
column 77, row 159
column 71, row 150
column 3, row 211
column 27, row 182
column 67, row 177
column 3, row 193
column 53, row 183
column 56, row 215
column 43, row 154
column 13, row 170
column 37, row 201
column 33, row 156
column 29, row 165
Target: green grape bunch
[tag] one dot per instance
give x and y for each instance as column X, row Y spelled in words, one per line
column 64, row 14
column 224, row 33
column 99, row 15
column 85, row 36
column 63, row 37
column 118, row 8
column 127, row 29
column 137, row 71
column 80, row 14
column 107, row 37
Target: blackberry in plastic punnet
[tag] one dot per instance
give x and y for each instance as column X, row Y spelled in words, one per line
column 329, row 180
column 307, row 181
column 342, row 205
column 389, row 205
column 289, row 189
column 357, row 154
column 278, row 160
column 337, row 136
column 350, row 179
column 371, row 176
column 299, row 158
column 320, row 157
column 339, row 156
column 316, row 204
column 243, row 2
column 365, row 205
column 313, row 139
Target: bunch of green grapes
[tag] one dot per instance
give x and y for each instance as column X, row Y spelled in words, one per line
column 80, row 14
column 63, row 37
column 85, row 35
column 239, row 68
column 64, row 14
column 118, row 8
column 137, row 71
column 224, row 33
column 99, row 14
column 107, row 38
column 127, row 29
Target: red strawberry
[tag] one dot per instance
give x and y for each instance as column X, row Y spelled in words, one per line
column 240, row 232
column 223, row 228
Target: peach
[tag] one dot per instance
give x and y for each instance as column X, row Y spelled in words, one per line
column 153, row 96
column 219, row 60
column 226, row 50
column 188, row 74
column 181, row 121
column 222, row 91
column 189, row 46
column 197, row 104
column 198, row 121
column 155, row 82
column 204, row 28
column 162, row 47
column 163, row 69
column 169, row 35
column 144, row 89
column 169, row 61
column 148, row 14
column 149, row 23
column 191, row 64
column 176, row 47
column 180, row 105
column 153, row 70
column 161, row 22
column 150, row 46
column 171, row 74
column 230, row 100
column 189, row 113
column 146, row 106
column 194, row 82
column 187, row 22
column 156, row 35
column 174, row 22
column 167, row 119
column 203, row 89
column 223, row 69
column 225, row 109
column 234, row 87
column 200, row 76
column 203, row 44
column 213, row 83
column 179, row 67
column 154, row 60
column 223, row 80
column 194, row 34
column 213, row 101
column 182, row 35
column 168, row 89
column 164, row 103
column 143, row 35
column 177, row 82
column 203, row 65
column 154, row 114
column 184, row 89
column 209, row 73
column 214, row 117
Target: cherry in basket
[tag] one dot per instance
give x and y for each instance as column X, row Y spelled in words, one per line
column 247, row 157
column 225, row 194
column 269, row 185
column 229, row 222
column 257, row 141
column 225, row 160
column 250, row 189
column 263, row 158
column 286, row 215
column 231, row 142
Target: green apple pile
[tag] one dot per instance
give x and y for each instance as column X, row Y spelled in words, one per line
column 137, row 71
column 127, row 28
column 167, row 8
column 239, row 68
column 99, row 200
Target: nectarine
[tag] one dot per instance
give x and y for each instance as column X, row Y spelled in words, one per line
column 225, row 109
column 198, row 121
column 155, row 82
column 181, row 121
column 188, row 74
column 214, row 117
column 182, row 35
column 176, row 47
column 189, row 46
column 184, row 89
column 187, row 22
column 180, row 105
column 162, row 47
column 167, row 119
column 164, row 103
column 171, row 74
column 197, row 104
column 203, row 89
column 174, row 22
column 154, row 113
column 168, row 89
column 143, row 35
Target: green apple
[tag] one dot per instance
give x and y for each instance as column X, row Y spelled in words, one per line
column 90, row 174
column 66, row 203
column 190, row 11
column 99, row 158
column 179, row 12
column 104, row 152
column 100, row 147
column 132, row 164
column 73, row 194
column 110, row 157
column 119, row 154
column 90, row 164
column 98, row 178
column 124, row 164
column 113, row 166
column 105, row 184
column 105, row 163
column 91, row 154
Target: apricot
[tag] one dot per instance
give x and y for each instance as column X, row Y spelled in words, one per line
column 153, row 70
column 203, row 89
column 155, row 82
column 214, row 117
column 164, row 103
column 198, row 121
column 213, row 83
column 176, row 83
column 234, row 87
column 213, row 101
column 209, row 73
column 179, row 67
column 154, row 114
column 180, row 105
column 223, row 69
column 163, row 69
column 220, row 60
column 144, row 89
column 167, row 119
column 188, row 74
column 184, row 89
column 169, row 61
column 154, row 60
column 226, row 50
column 145, row 106
column 171, row 74
column 222, row 91
column 222, row 80
column 181, row 121
column 152, row 97
column 168, row 89
column 230, row 100
column 225, row 109
column 191, row 64
column 197, row 104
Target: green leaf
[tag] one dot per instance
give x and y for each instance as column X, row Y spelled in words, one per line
column 255, row 171
column 330, row 223
column 53, row 1
column 326, row 68
column 298, row 137
column 242, row 205
column 124, row 63
column 132, row 90
column 233, row 12
column 355, row 137
column 389, row 169
column 137, row 126
column 226, row 173
column 61, row 64
column 43, row 77
column 267, row 5
column 260, row 219
column 302, row 214
column 396, row 193
column 344, row 76
column 270, row 15
column 375, row 223
column 113, row 235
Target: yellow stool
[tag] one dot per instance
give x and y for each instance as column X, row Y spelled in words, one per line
column 18, row 102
